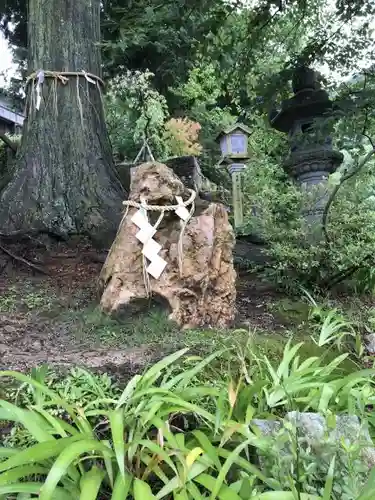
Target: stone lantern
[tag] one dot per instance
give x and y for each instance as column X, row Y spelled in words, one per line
column 234, row 155
column 307, row 119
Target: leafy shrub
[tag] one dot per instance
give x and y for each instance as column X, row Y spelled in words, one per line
column 299, row 256
column 199, row 97
column 182, row 136
column 135, row 108
column 79, row 387
column 174, row 433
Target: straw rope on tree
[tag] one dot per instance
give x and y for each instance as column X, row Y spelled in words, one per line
column 37, row 78
column 65, row 182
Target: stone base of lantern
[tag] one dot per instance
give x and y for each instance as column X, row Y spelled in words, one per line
column 311, row 170
column 314, row 166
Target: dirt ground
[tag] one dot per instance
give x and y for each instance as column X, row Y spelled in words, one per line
column 52, row 318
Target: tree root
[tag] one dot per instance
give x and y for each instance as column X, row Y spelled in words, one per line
column 20, row 235
column 17, row 258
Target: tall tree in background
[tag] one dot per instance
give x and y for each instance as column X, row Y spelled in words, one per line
column 65, row 182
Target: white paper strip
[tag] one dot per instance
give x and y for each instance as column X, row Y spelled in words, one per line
column 182, row 211
column 145, row 234
column 40, row 77
column 88, row 78
column 139, row 219
column 38, row 100
column 151, row 249
column 156, row 267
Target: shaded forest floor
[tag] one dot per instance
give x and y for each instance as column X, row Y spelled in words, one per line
column 54, row 318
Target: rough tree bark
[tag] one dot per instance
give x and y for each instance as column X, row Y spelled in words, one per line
column 65, row 182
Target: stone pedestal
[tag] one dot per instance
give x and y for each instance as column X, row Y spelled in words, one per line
column 311, row 169
column 235, row 170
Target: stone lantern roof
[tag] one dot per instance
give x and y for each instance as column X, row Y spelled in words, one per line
column 309, row 101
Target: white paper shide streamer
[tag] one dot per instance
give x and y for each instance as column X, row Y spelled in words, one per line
column 147, row 231
column 38, row 88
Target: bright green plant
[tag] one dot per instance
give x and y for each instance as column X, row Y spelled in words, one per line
column 333, row 328
column 134, row 109
column 162, row 438
column 297, row 256
column 138, row 444
column 78, row 387
column 297, row 383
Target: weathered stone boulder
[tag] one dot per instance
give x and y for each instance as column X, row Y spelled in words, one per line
column 312, row 430
column 198, row 282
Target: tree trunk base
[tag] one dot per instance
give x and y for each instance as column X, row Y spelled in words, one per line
column 65, row 182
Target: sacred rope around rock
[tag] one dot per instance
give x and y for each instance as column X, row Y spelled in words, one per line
column 180, row 209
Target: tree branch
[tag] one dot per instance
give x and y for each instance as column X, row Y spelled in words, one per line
column 12, row 145
column 334, row 192
column 345, row 274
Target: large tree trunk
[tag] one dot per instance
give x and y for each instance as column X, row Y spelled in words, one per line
column 65, row 181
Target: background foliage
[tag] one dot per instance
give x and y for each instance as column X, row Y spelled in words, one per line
column 207, row 64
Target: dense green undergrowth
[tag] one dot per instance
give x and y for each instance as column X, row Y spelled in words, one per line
column 185, row 428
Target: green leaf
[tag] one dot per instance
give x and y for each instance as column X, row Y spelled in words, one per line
column 116, row 420
column 225, row 492
column 249, row 467
column 30, row 420
column 329, row 480
column 208, row 448
column 157, row 450
column 175, row 483
column 108, row 464
column 32, row 488
column 129, row 390
column 63, row 462
column 154, row 372
column 54, row 422
column 327, row 393
column 231, row 459
column 367, row 492
column 142, row 491
column 180, row 404
column 284, row 495
column 90, row 483
column 23, row 471
column 289, row 353
column 122, row 487
column 182, row 495
column 194, row 491
column 7, row 452
column 38, row 453
column 182, row 379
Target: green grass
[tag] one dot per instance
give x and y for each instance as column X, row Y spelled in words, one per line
column 87, row 325
column 154, row 329
column 289, row 311
column 26, row 297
